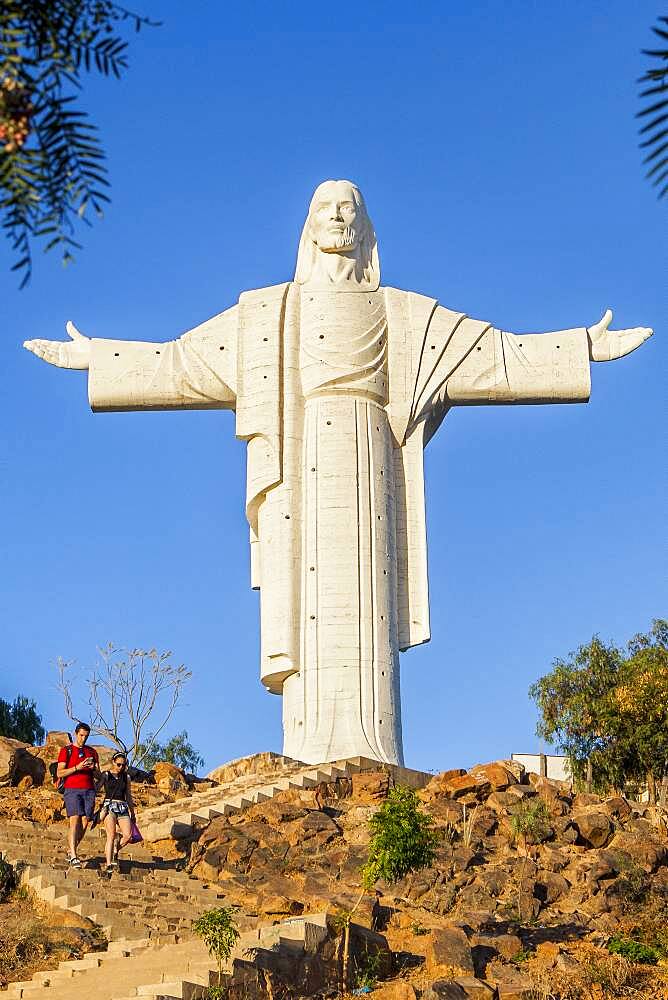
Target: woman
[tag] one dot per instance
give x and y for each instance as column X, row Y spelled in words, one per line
column 118, row 808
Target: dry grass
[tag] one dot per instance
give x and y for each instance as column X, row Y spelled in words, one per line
column 31, row 940
column 598, row 976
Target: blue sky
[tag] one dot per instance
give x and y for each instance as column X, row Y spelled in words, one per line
column 497, row 150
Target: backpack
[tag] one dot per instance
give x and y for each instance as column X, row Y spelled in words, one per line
column 53, row 770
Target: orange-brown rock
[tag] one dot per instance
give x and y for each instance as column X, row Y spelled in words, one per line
column 17, row 760
column 594, row 827
column 476, row 989
column 617, row 807
column 465, row 785
column 498, row 776
column 485, row 946
column 370, row 788
column 647, row 850
column 448, row 948
column 398, row 989
column 170, row 779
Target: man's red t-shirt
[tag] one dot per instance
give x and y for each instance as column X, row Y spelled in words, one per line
column 82, row 779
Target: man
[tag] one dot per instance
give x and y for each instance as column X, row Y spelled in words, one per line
column 79, row 768
column 338, row 384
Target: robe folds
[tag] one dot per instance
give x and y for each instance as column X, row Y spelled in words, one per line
column 248, row 359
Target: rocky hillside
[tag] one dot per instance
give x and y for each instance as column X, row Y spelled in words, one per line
column 499, row 911
column 28, row 793
column 536, row 893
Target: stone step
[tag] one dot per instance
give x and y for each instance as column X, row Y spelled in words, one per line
column 107, row 978
column 180, row 989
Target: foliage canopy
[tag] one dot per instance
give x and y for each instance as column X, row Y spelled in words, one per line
column 402, row 839
column 21, row 721
column 52, row 172
column 609, row 707
column 656, row 112
column 178, row 751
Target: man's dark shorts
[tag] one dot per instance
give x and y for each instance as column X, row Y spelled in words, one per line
column 79, row 801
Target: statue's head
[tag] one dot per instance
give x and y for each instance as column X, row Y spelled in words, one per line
column 337, row 223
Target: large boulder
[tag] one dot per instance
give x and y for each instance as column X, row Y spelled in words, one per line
column 448, row 948
column 17, row 761
column 170, row 779
column 444, row 989
column 550, row 886
column 497, row 774
column 646, row 850
column 594, row 828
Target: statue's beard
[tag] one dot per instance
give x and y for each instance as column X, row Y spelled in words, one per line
column 347, row 239
column 343, row 242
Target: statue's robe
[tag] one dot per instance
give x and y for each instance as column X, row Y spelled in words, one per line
column 248, row 359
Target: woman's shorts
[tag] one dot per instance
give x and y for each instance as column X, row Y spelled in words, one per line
column 116, row 807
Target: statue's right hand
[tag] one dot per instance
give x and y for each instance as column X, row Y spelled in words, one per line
column 74, row 353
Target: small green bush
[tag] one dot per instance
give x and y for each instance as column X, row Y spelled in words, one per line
column 633, row 951
column 531, row 822
column 633, row 884
column 218, row 930
column 402, row 839
column 367, row 968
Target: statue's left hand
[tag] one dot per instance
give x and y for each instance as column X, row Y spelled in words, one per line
column 73, row 353
column 607, row 345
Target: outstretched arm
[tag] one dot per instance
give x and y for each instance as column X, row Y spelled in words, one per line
column 197, row 371
column 537, row 368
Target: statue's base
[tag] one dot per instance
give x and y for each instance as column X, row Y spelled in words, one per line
column 264, row 763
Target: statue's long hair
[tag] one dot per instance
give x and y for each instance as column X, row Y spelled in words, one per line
column 368, row 263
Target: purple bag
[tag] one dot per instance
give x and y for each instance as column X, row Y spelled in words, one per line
column 135, row 834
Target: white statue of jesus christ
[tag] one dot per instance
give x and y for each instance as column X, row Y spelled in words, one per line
column 338, row 384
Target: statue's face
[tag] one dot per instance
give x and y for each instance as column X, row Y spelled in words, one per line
column 333, row 217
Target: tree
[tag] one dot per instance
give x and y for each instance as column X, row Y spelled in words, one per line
column 642, row 700
column 52, row 172
column 609, row 709
column 218, row 930
column 124, row 690
column 178, row 751
column 402, row 841
column 656, row 143
column 21, row 721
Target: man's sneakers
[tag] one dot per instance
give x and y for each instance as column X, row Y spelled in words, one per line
column 111, row 868
column 74, row 862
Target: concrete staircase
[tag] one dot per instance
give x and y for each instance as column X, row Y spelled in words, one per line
column 146, row 909
column 179, row 819
column 169, row 972
column 149, row 898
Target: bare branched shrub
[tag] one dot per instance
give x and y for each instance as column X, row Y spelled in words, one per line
column 121, row 693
